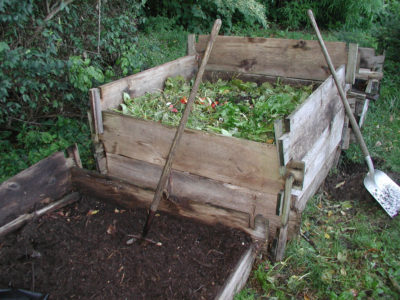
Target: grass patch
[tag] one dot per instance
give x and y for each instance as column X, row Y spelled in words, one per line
column 351, row 252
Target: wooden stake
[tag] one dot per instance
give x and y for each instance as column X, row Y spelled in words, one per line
column 179, row 132
column 21, row 220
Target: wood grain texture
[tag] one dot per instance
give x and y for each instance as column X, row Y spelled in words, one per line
column 310, row 120
column 239, row 276
column 192, row 201
column 369, row 60
column 47, row 180
column 23, row 219
column 323, row 170
column 352, row 60
column 230, row 160
column 147, row 81
column 184, row 186
column 275, row 57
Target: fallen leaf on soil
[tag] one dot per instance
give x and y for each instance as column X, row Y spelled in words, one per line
column 327, row 236
column 111, row 229
column 340, row 184
column 92, row 212
column 330, row 213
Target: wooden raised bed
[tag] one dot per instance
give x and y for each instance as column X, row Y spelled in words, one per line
column 258, row 188
column 230, row 180
column 56, row 182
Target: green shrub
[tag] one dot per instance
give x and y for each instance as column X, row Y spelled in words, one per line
column 198, row 16
column 336, row 14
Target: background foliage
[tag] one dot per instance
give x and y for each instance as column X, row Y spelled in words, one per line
column 52, row 53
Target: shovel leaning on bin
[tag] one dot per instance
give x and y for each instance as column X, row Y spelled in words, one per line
column 381, row 187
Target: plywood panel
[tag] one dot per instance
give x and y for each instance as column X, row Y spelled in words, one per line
column 276, row 57
column 45, row 181
column 146, row 82
column 230, row 160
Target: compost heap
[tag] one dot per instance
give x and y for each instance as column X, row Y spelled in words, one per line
column 231, row 108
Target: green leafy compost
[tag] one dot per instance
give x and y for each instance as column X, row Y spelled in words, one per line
column 232, row 108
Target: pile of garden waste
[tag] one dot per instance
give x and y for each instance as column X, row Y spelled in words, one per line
column 231, row 108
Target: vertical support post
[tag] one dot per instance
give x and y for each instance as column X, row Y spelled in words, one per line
column 191, row 48
column 73, row 152
column 352, row 59
column 283, row 231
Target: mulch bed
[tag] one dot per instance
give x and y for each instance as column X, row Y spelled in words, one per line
column 81, row 252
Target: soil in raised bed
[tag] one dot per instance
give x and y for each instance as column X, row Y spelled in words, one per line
column 81, row 252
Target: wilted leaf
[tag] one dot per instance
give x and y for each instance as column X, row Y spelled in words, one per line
column 346, row 205
column 343, row 272
column 340, row 184
column 92, row 212
column 327, row 236
column 111, row 229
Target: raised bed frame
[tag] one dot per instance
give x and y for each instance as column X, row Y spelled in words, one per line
column 223, row 179
column 259, row 188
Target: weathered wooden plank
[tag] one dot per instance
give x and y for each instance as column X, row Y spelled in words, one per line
column 213, row 76
column 147, row 81
column 131, row 195
column 183, row 185
column 275, row 57
column 367, row 74
column 328, row 141
column 239, row 276
column 304, row 195
column 311, row 119
column 230, row 160
column 191, row 50
column 21, row 220
column 47, row 180
column 369, row 60
column 351, row 67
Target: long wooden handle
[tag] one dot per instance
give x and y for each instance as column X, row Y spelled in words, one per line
column 349, row 113
column 179, row 132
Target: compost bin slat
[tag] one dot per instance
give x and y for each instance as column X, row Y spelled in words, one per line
column 150, row 80
column 276, row 57
column 183, row 185
column 310, row 120
column 231, row 160
column 47, row 180
column 110, row 188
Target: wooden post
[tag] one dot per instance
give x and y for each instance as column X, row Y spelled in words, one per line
column 282, row 239
column 179, row 132
column 352, row 63
column 191, row 49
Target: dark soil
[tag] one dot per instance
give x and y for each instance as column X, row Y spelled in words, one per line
column 348, row 183
column 75, row 254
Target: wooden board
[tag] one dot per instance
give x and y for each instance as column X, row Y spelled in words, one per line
column 310, row 120
column 44, row 182
column 275, row 57
column 183, row 185
column 131, row 195
column 323, row 170
column 147, row 81
column 369, row 60
column 230, row 160
column 238, row 277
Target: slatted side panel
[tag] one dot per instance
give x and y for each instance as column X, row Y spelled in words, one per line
column 44, row 182
column 146, row 82
column 315, row 132
column 275, row 57
column 226, row 159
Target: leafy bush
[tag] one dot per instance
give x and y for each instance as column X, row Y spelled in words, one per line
column 388, row 31
column 197, row 16
column 19, row 150
column 330, row 14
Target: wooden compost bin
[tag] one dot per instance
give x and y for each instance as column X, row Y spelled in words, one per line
column 225, row 179
column 258, row 188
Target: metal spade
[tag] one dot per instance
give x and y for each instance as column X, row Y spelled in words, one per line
column 381, row 187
